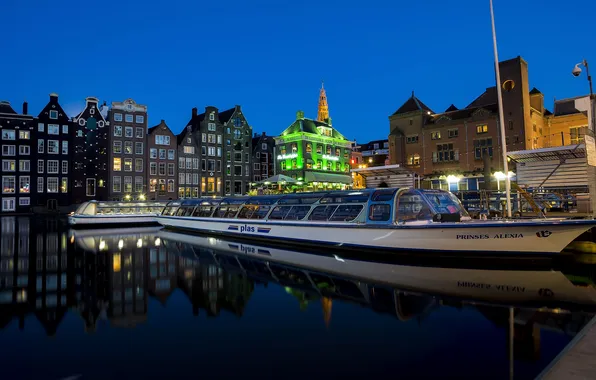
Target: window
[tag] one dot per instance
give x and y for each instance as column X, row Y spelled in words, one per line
column 117, row 164
column 64, row 147
column 128, row 164
column 257, row 166
column 219, row 139
column 53, row 129
column 128, row 118
column 24, row 165
column 40, row 147
column 64, row 167
column 53, row 114
column 482, row 147
column 8, row 204
column 211, row 165
column 211, row 151
column 8, row 134
column 211, row 126
column 65, row 129
column 153, row 153
column 117, row 147
column 170, row 185
column 436, row 135
column 212, row 116
column 152, row 168
column 162, row 140
column 117, row 117
column 40, row 127
column 8, row 184
column 171, row 154
column 195, row 163
column 89, row 186
column 211, row 138
column 171, row 169
column 128, row 184
column 453, row 133
column 181, row 163
column 24, row 185
column 237, row 134
column 138, row 148
column 40, row 166
column 140, row 119
column 510, row 125
column 52, row 167
column 189, row 150
column 64, row 184
column 482, row 128
column 116, row 184
column 9, row 165
column 237, row 169
column 576, row 135
column 445, row 152
column 128, row 147
column 128, row 132
column 181, row 178
column 52, row 185
column 162, row 154
column 138, row 165
column 414, row 159
column 118, row 131
column 139, row 133
column 24, row 135
column 264, row 146
column 53, row 146
column 40, row 184
column 138, row 184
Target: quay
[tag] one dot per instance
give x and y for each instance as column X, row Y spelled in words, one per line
column 577, row 360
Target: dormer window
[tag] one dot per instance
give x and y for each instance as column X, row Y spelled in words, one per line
column 211, row 116
column 325, row 131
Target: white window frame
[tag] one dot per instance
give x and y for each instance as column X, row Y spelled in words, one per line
column 128, row 118
column 6, row 150
column 117, row 116
column 8, row 201
column 24, row 201
column 87, row 182
column 54, row 114
column 56, row 144
column 40, row 188
column 24, row 150
column 14, row 182
column 24, row 165
column 40, row 166
column 65, row 129
column 116, row 184
column 64, row 167
column 53, row 129
column 139, row 119
column 51, row 163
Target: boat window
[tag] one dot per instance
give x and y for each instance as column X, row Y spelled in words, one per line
column 445, row 203
column 279, row 212
column 297, row 213
column 247, row 211
column 379, row 212
column 411, row 206
column 346, row 213
column 261, row 212
column 383, row 195
column 227, row 211
column 166, row 211
column 299, row 199
column 346, row 198
column 203, row 211
column 322, row 212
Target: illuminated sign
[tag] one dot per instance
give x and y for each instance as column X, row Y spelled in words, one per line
column 287, row 156
column 332, row 158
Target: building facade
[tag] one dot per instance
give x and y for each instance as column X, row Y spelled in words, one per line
column 465, row 144
column 374, row 153
column 162, row 161
column 238, row 151
column 566, row 125
column 90, row 158
column 54, row 134
column 128, row 143
column 189, row 158
column 18, row 136
column 263, row 149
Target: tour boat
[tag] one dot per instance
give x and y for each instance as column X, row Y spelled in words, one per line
column 480, row 283
column 387, row 219
column 94, row 213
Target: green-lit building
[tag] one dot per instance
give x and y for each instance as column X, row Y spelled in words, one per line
column 314, row 153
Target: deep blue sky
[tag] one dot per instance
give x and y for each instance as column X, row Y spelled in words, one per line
column 270, row 56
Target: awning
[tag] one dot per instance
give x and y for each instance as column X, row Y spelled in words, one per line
column 328, row 177
column 549, row 154
column 376, row 171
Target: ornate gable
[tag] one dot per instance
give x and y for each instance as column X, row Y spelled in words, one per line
column 442, row 119
column 481, row 113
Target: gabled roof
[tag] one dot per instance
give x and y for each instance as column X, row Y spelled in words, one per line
column 489, row 96
column 6, row 108
column 451, row 108
column 310, row 126
column 535, row 91
column 226, row 115
column 413, row 104
column 161, row 124
column 464, row 113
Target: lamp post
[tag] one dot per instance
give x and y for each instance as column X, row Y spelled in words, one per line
column 501, row 117
column 589, row 138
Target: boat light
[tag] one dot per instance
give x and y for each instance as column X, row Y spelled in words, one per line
column 102, row 245
column 157, row 242
column 140, row 243
column 142, row 197
column 120, row 244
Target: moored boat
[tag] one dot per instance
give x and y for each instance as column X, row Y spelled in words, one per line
column 387, row 219
column 113, row 213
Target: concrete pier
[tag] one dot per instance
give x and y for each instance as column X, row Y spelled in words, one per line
column 577, row 360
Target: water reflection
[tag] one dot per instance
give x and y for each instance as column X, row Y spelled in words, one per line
column 110, row 276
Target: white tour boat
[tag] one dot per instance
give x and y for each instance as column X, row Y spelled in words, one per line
column 94, row 213
column 387, row 219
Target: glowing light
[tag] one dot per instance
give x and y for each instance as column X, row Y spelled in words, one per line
column 331, row 158
column 120, row 244
column 452, row 179
column 287, row 156
column 116, row 265
column 157, row 242
column 142, row 197
column 102, row 245
column 140, row 243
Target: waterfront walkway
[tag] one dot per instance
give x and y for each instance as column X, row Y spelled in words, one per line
column 577, row 360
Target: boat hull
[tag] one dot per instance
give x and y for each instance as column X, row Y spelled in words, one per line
column 101, row 221
column 534, row 237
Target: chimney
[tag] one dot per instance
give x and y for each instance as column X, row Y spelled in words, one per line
column 194, row 111
column 163, row 121
column 25, row 108
column 53, row 96
column 104, row 103
column 299, row 115
column 237, row 107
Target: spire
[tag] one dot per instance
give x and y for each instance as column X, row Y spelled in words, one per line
column 323, row 112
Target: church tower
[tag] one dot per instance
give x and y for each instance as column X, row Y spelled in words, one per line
column 323, row 112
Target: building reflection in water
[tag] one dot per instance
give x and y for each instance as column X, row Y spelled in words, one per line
column 109, row 276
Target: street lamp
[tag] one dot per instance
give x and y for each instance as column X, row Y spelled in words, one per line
column 501, row 117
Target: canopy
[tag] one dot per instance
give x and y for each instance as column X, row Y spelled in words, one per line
column 277, row 179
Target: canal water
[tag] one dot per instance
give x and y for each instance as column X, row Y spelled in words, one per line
column 142, row 303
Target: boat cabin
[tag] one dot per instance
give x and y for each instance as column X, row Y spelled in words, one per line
column 94, row 208
column 370, row 206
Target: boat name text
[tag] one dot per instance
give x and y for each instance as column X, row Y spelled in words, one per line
column 487, row 236
column 500, row 288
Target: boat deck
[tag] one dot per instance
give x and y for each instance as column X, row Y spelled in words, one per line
column 577, row 360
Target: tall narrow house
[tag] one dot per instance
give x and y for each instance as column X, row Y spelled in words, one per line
column 17, row 136
column 163, row 155
column 238, row 151
column 90, row 159
column 52, row 156
column 189, row 158
column 127, row 140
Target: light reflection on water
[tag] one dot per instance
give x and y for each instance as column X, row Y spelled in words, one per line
column 157, row 303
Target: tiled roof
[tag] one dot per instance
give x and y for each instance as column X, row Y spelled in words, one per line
column 489, row 96
column 451, row 108
column 411, row 105
column 464, row 113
